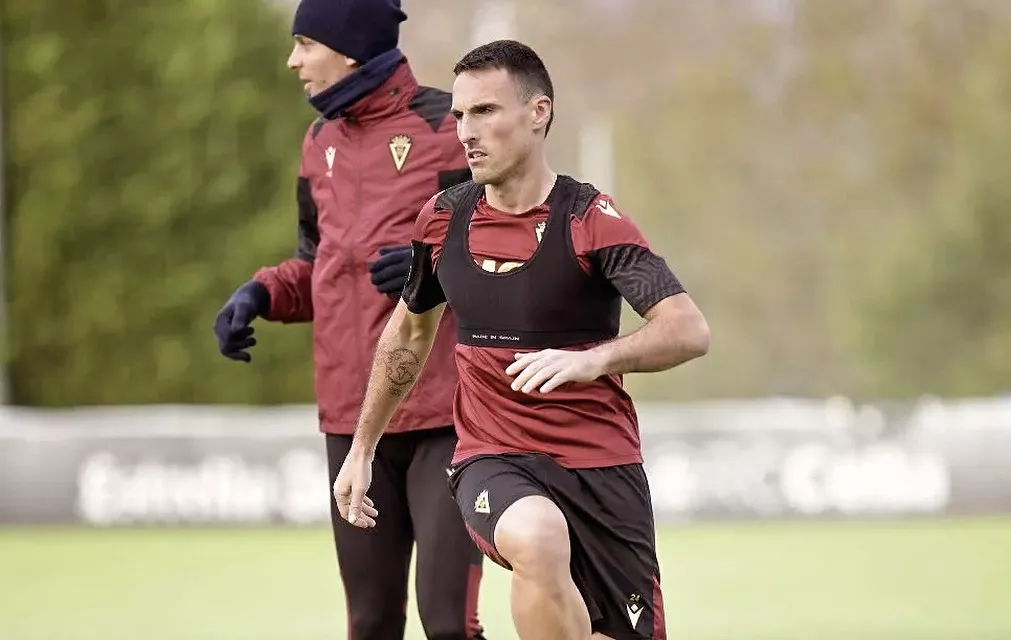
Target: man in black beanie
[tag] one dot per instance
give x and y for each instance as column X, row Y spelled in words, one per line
column 380, row 149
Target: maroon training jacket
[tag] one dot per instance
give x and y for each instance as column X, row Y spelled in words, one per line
column 362, row 182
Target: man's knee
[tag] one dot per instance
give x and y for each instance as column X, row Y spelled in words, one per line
column 376, row 596
column 454, row 632
column 533, row 536
column 447, row 633
column 378, row 623
column 446, row 616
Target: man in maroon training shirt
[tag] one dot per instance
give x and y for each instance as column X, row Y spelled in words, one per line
column 548, row 470
column 380, row 148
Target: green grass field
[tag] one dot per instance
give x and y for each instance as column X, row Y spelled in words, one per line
column 928, row 580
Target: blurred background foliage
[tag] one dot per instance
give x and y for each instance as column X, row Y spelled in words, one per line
column 150, row 169
column 828, row 179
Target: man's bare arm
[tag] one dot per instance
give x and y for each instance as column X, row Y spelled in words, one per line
column 400, row 357
column 675, row 332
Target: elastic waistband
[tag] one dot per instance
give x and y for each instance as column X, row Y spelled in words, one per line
column 529, row 339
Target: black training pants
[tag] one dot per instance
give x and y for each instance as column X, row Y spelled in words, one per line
column 409, row 488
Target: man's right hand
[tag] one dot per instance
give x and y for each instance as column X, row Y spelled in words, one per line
column 231, row 326
column 349, row 489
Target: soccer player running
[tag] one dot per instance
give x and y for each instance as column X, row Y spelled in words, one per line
column 381, row 147
column 548, row 470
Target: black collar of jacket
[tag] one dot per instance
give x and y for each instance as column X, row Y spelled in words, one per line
column 372, row 93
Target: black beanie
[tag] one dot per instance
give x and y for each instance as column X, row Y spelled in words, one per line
column 358, row 29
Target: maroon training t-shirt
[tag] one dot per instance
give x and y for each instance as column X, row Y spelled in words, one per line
column 580, row 425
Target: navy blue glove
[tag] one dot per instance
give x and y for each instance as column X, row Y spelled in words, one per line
column 389, row 272
column 231, row 325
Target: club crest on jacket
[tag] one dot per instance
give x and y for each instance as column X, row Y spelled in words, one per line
column 400, row 146
column 331, row 153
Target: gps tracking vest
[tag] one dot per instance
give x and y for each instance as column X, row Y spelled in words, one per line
column 548, row 302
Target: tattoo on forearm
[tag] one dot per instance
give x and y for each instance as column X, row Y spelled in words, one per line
column 402, row 368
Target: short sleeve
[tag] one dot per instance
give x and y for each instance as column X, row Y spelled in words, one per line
column 423, row 292
column 613, row 245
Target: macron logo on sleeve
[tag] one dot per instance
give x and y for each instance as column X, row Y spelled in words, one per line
column 607, row 208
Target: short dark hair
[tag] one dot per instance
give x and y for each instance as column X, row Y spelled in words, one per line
column 519, row 61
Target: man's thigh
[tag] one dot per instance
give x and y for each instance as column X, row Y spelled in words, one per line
column 611, row 532
column 483, row 489
column 448, row 563
column 613, row 538
column 375, row 563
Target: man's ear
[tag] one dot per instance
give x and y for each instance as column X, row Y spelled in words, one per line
column 542, row 107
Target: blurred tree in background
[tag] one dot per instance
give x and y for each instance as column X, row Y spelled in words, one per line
column 941, row 322
column 827, row 178
column 151, row 160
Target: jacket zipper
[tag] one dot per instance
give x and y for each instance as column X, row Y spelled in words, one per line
column 356, row 276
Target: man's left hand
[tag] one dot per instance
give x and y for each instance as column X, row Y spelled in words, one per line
column 550, row 368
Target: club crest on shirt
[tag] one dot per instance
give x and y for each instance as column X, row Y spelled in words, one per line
column 400, row 146
column 539, row 230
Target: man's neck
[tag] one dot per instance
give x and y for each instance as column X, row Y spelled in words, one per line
column 357, row 94
column 528, row 188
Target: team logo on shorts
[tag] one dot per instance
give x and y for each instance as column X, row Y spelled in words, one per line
column 634, row 607
column 400, row 146
column 481, row 503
